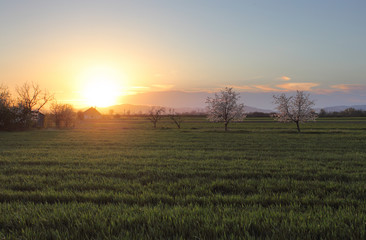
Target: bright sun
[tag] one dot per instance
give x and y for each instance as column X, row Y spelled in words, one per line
column 101, row 87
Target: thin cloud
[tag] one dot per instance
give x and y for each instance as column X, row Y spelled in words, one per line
column 341, row 88
column 163, row 86
column 348, row 87
column 266, row 88
column 284, row 78
column 242, row 87
column 297, row 86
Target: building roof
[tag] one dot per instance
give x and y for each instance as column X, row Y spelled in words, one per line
column 92, row 111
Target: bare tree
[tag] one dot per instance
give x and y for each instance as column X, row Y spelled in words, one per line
column 63, row 115
column 155, row 114
column 30, row 96
column 297, row 109
column 175, row 117
column 224, row 107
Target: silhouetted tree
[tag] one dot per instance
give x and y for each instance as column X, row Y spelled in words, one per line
column 175, row 117
column 30, row 99
column 322, row 113
column 80, row 115
column 31, row 96
column 63, row 115
column 155, row 114
column 6, row 109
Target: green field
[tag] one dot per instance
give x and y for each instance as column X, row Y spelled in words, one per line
column 121, row 179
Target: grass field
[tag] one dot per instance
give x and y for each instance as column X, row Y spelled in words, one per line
column 124, row 180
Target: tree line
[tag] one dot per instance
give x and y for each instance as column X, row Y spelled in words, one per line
column 224, row 107
column 21, row 112
column 349, row 112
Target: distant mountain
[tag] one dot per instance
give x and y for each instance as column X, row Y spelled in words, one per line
column 342, row 108
column 142, row 109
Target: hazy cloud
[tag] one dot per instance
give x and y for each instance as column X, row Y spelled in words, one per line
column 284, row 78
column 297, row 86
column 163, row 86
column 349, row 87
column 242, row 87
column 266, row 88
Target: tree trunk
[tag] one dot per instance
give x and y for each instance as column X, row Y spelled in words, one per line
column 298, row 126
column 226, row 126
column 154, row 124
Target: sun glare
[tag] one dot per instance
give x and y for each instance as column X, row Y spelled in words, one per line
column 101, row 87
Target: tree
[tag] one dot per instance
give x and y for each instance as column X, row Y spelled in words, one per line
column 63, row 115
column 322, row 113
column 175, row 117
column 297, row 109
column 6, row 107
column 155, row 114
column 80, row 115
column 224, row 107
column 30, row 98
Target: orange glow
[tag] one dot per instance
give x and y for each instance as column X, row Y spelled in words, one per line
column 285, row 78
column 101, row 86
column 297, row 86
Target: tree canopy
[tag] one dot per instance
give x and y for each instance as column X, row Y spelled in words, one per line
column 297, row 109
column 224, row 107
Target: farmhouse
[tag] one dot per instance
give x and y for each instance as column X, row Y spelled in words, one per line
column 92, row 113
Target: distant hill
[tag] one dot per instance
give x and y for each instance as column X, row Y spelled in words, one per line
column 142, row 109
column 342, row 108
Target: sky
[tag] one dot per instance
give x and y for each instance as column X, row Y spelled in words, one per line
column 103, row 52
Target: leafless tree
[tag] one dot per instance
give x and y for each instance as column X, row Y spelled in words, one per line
column 31, row 96
column 224, row 107
column 63, row 115
column 297, row 109
column 175, row 117
column 155, row 114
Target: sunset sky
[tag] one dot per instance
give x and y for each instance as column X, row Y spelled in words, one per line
column 127, row 51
